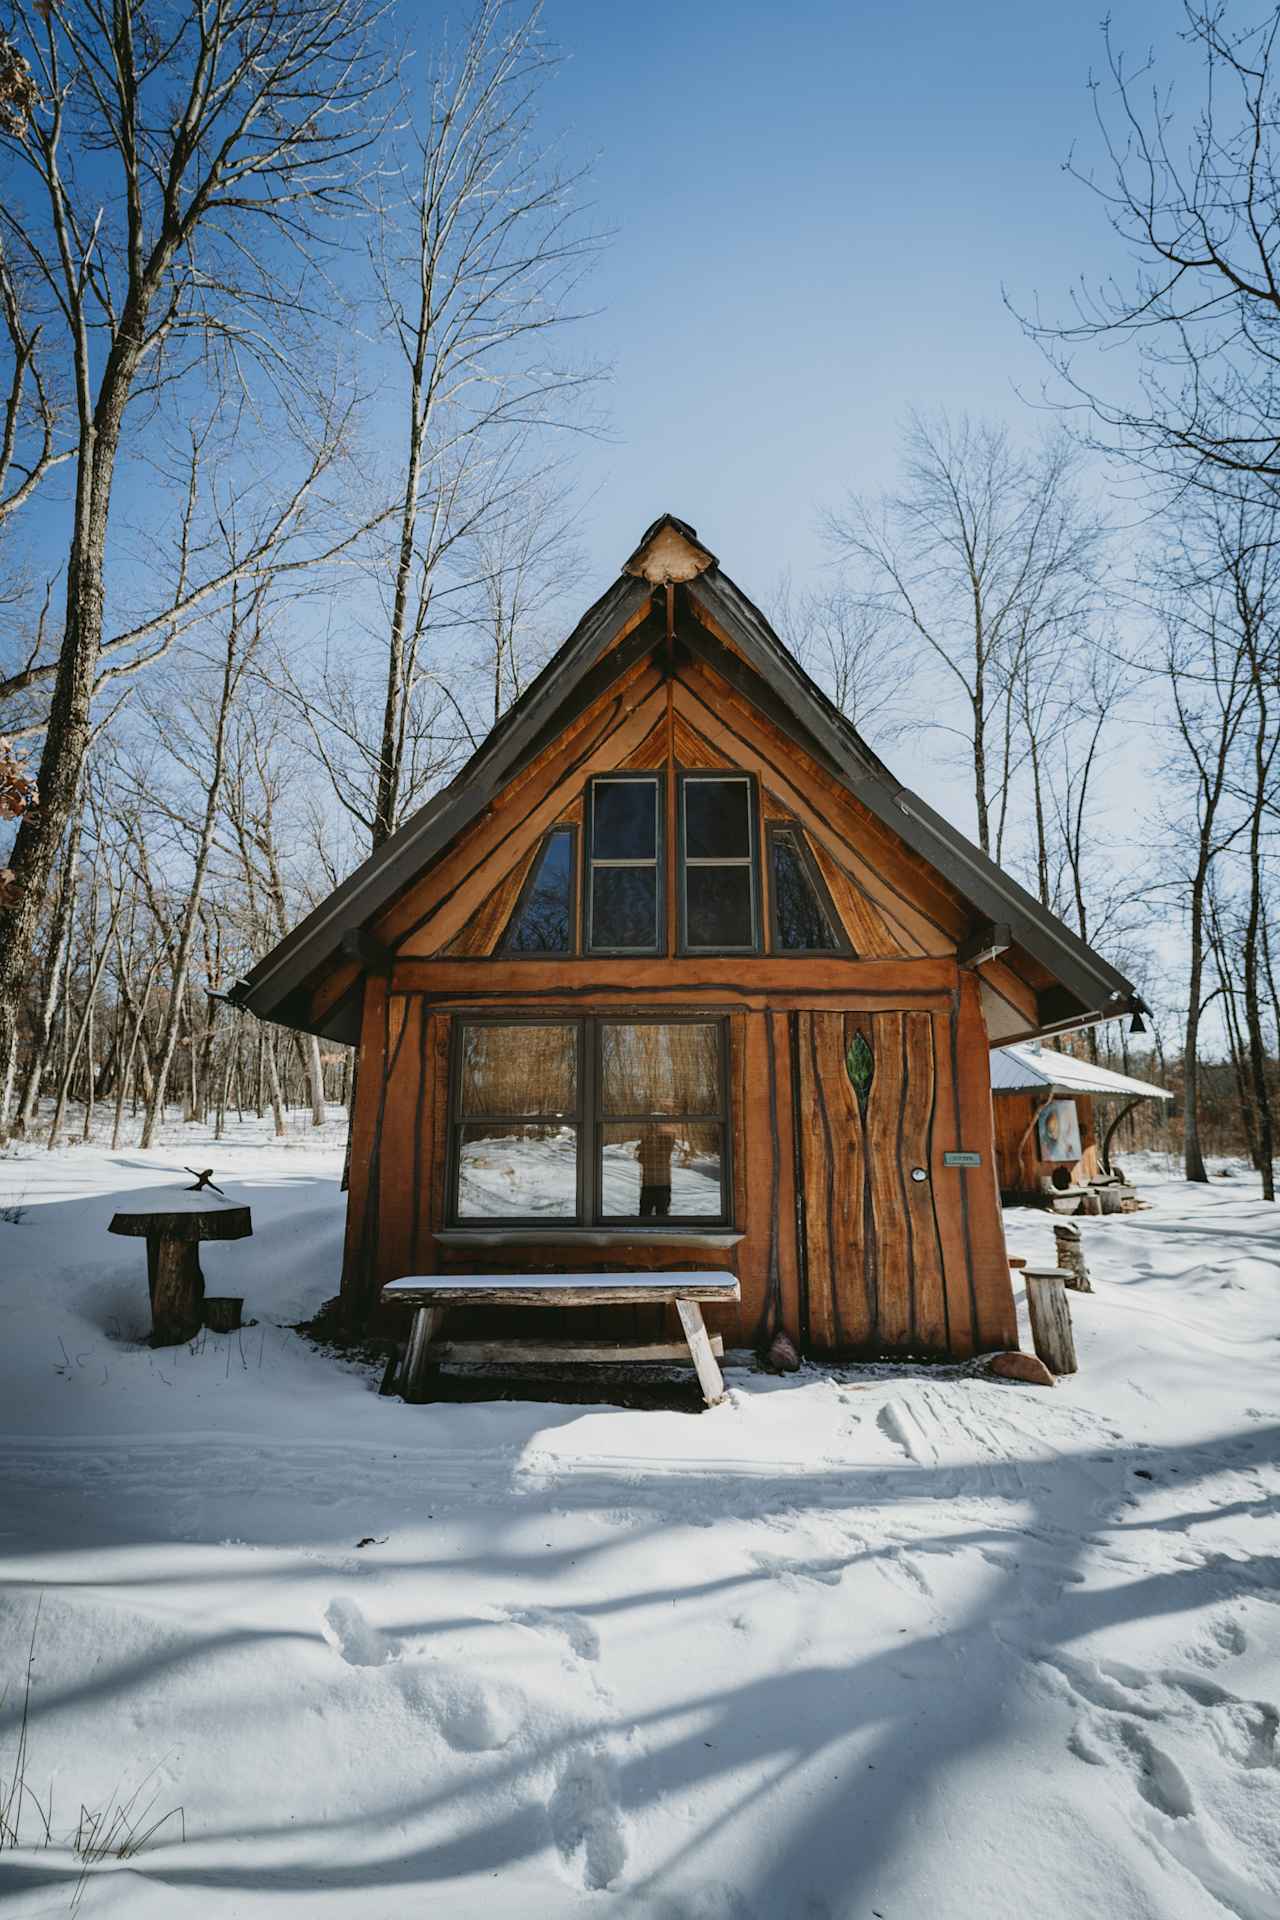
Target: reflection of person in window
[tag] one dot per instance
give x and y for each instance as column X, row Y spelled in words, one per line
column 654, row 1150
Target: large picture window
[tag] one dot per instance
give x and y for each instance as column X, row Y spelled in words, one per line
column 624, row 864
column 718, row 899
column 590, row 1122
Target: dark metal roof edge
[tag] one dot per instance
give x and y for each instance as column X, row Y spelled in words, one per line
column 1083, row 972
column 357, row 898
column 989, row 888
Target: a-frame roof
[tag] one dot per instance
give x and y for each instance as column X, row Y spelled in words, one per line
column 670, row 558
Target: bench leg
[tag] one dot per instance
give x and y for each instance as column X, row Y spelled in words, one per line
column 710, row 1379
column 425, row 1322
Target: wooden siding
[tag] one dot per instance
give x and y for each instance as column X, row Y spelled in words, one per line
column 838, row 1245
column 1018, row 1163
column 860, row 1260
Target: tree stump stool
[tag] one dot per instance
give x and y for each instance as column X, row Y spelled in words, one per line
column 174, row 1279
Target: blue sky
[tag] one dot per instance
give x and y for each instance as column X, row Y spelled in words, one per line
column 816, row 207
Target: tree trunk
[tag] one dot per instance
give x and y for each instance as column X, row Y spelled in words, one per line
column 1192, row 1155
column 42, row 830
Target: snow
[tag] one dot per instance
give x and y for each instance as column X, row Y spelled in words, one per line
column 1029, row 1066
column 859, row 1642
column 534, row 1173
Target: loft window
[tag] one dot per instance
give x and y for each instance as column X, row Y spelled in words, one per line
column 804, row 919
column 718, row 897
column 590, row 1122
column 624, row 864
column 543, row 919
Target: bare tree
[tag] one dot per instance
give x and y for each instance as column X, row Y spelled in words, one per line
column 851, row 646
column 165, row 168
column 1206, row 669
column 522, row 562
column 478, row 247
column 985, row 553
column 199, row 737
column 1193, row 191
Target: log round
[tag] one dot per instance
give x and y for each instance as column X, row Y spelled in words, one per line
column 186, row 1223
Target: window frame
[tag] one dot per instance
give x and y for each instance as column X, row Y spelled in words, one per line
column 843, row 944
column 456, row 1120
column 750, row 860
column 589, row 1122
column 505, row 951
column 599, row 1119
column 658, row 781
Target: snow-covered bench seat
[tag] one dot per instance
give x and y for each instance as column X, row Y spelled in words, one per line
column 431, row 1295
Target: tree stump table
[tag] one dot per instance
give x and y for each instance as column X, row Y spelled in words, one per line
column 174, row 1280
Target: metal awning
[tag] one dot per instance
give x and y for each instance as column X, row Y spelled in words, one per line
column 1027, row 1068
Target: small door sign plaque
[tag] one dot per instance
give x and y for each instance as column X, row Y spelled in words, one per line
column 962, row 1159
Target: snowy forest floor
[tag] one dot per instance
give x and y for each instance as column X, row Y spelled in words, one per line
column 856, row 1645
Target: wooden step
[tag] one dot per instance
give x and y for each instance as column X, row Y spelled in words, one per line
column 556, row 1353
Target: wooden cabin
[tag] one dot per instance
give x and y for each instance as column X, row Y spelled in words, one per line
column 1048, row 1134
column 675, row 974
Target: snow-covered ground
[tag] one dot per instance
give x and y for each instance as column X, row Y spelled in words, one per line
column 853, row 1645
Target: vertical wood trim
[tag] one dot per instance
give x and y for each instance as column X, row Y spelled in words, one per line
column 398, row 1135
column 363, row 1129
column 798, row 1176
column 757, row 1152
column 819, row 1333
column 947, row 1183
column 785, row 1279
column 929, row 1304
column 673, row 859
column 892, row 1323
column 994, row 1320
column 420, row 1167
column 438, row 1094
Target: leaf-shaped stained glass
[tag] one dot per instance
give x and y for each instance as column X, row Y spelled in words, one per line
column 860, row 1064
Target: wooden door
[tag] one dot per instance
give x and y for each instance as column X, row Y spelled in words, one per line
column 873, row 1280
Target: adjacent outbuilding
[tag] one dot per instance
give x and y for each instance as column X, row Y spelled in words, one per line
column 1047, row 1127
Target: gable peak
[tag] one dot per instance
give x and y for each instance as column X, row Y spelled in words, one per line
column 669, row 550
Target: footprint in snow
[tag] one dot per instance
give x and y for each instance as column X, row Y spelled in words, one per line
column 792, row 1573
column 1226, row 1638
column 356, row 1639
column 586, row 1823
column 901, row 1424
column 471, row 1715
column 579, row 1635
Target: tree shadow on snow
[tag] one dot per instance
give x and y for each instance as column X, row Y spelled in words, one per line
column 875, row 1738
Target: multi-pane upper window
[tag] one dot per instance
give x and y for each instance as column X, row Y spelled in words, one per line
column 624, row 864
column 718, row 864
column 590, row 1122
column 719, row 888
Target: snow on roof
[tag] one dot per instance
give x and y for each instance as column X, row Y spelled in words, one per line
column 1028, row 1067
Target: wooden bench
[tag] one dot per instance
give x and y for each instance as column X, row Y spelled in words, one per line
column 432, row 1295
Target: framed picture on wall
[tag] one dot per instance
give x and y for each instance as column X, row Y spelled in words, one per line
column 1059, row 1129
